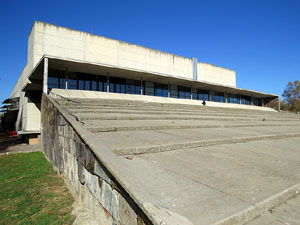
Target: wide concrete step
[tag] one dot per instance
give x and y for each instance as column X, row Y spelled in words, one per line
column 286, row 213
column 145, row 141
column 225, row 184
column 168, row 112
column 115, row 103
column 125, row 125
column 166, row 107
column 121, row 116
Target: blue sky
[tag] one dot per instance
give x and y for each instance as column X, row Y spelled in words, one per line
column 260, row 40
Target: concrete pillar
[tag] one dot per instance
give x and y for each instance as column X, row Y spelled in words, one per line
column 66, row 78
column 240, row 99
column 142, row 86
column 251, row 99
column 45, row 77
column 210, row 92
column 107, row 83
column 262, row 101
column 195, row 66
column 191, row 93
column 226, row 96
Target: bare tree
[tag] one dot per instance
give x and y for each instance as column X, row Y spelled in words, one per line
column 291, row 96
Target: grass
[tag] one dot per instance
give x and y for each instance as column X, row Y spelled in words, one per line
column 31, row 192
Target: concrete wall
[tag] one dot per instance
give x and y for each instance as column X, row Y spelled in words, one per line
column 70, row 44
column 215, row 74
column 86, row 176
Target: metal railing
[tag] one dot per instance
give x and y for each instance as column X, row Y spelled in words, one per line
column 65, row 103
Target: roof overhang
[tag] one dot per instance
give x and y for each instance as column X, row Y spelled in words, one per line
column 10, row 100
column 36, row 77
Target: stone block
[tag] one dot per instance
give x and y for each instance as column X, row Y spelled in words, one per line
column 114, row 206
column 66, row 144
column 126, row 211
column 72, row 146
column 81, row 153
column 101, row 172
column 89, row 159
column 80, row 170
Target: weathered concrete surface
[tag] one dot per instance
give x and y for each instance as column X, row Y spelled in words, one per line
column 135, row 142
column 245, row 175
column 287, row 213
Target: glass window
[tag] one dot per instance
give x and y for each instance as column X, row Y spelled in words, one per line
column 87, row 85
column 160, row 90
column 62, row 83
column 203, row 95
column 219, row 97
column 245, row 100
column 111, row 87
column 94, row 85
column 72, row 84
column 149, row 88
column 53, row 82
column 257, row 101
column 81, row 84
column 118, row 88
column 233, row 98
column 174, row 91
column 184, row 92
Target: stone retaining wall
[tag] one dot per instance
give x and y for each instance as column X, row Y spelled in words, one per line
column 86, row 177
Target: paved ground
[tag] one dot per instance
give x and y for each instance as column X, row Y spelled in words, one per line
column 222, row 180
column 11, row 145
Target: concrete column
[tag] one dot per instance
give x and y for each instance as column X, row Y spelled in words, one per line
column 195, row 66
column 142, row 86
column 251, row 99
column 66, row 78
column 226, row 96
column 107, row 83
column 169, row 90
column 66, row 82
column 262, row 101
column 240, row 99
column 191, row 93
column 45, row 77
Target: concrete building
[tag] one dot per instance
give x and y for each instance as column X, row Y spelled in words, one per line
column 63, row 58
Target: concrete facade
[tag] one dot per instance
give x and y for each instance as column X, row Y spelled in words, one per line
column 60, row 42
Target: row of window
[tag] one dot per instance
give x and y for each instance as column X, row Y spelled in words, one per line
column 128, row 86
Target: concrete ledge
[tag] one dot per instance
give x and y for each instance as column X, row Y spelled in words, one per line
column 258, row 209
column 145, row 98
column 163, row 127
column 197, row 144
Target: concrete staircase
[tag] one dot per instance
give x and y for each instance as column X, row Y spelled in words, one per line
column 132, row 127
column 211, row 165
